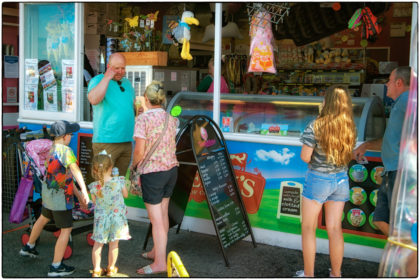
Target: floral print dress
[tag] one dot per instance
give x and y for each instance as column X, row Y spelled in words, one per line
column 110, row 222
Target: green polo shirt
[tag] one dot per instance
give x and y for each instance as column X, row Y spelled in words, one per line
column 113, row 118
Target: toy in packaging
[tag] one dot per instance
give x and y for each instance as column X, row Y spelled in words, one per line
column 261, row 49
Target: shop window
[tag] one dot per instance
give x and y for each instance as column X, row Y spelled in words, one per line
column 49, row 59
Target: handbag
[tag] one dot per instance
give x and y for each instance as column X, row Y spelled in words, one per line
column 135, row 187
column 17, row 213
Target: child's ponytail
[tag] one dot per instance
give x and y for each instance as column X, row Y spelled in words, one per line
column 100, row 164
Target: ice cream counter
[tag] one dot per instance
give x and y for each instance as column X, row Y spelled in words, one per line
column 262, row 135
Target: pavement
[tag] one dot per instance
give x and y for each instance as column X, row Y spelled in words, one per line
column 200, row 254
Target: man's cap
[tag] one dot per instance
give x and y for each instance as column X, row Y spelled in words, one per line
column 61, row 128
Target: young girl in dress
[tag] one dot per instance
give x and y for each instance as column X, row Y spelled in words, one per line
column 110, row 223
column 328, row 143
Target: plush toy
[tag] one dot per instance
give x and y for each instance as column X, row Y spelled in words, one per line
column 324, row 58
column 310, row 55
column 331, row 56
column 337, row 57
column 345, row 56
column 182, row 33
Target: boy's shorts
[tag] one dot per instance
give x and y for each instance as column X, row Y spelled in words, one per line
column 158, row 185
column 62, row 219
column 323, row 187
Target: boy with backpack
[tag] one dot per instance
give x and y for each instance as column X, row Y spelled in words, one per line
column 58, row 196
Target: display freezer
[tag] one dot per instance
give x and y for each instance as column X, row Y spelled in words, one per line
column 262, row 134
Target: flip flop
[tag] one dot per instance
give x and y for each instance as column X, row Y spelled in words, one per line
column 148, row 270
column 144, row 256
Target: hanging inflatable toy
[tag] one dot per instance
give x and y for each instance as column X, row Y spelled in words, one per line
column 261, row 48
column 181, row 32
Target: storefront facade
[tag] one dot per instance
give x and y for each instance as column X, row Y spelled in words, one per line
column 262, row 131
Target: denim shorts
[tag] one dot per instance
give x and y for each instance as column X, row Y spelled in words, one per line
column 324, row 187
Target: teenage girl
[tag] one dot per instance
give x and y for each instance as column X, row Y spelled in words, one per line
column 328, row 142
column 110, row 222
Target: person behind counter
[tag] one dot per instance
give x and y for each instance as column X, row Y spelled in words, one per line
column 159, row 173
column 398, row 86
column 207, row 84
column 328, row 143
column 112, row 97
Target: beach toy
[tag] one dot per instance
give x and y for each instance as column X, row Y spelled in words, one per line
column 355, row 20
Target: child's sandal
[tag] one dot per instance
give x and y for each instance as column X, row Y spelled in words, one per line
column 98, row 273
column 111, row 271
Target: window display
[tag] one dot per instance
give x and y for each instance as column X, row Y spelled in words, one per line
column 49, row 57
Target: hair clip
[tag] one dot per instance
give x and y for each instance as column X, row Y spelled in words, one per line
column 158, row 87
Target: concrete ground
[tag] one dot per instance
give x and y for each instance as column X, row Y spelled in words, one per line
column 200, row 254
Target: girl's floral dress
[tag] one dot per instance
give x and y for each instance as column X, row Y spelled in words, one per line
column 110, row 222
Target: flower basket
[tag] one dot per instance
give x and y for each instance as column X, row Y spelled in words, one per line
column 146, row 58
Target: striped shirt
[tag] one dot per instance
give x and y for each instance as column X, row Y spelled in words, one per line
column 318, row 159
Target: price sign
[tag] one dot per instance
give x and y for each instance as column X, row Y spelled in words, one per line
column 290, row 199
column 84, row 155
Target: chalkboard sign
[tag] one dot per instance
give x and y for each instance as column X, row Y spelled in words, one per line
column 290, row 199
column 219, row 182
column 222, row 197
column 84, row 155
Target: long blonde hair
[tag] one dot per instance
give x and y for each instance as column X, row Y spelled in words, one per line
column 334, row 128
column 100, row 165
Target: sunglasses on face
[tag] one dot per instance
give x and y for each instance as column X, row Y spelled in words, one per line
column 119, row 84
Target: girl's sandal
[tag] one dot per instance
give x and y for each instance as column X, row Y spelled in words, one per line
column 98, row 273
column 110, row 272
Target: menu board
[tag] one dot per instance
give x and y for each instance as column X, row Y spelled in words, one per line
column 84, row 156
column 222, row 197
column 201, row 147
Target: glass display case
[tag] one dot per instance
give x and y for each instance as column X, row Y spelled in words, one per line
column 285, row 116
